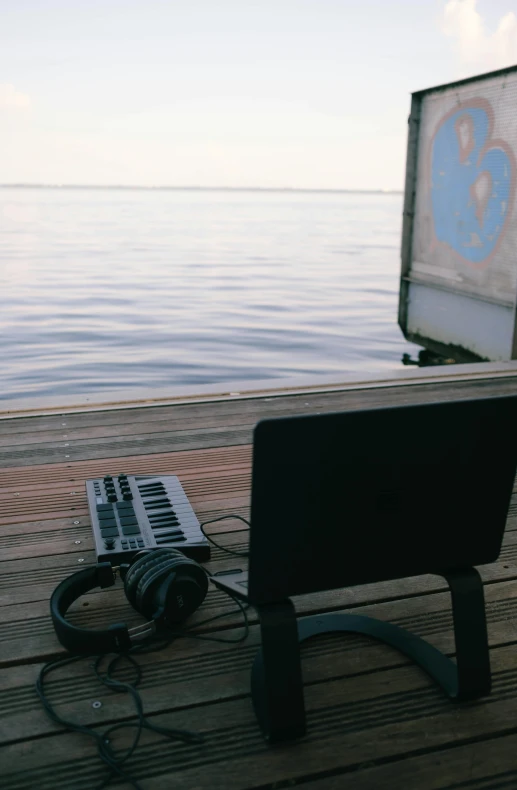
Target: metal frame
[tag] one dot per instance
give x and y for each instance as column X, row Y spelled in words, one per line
column 276, row 676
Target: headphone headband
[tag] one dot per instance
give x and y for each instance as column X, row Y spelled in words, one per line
column 115, row 639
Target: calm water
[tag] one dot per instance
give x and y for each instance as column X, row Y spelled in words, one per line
column 115, row 289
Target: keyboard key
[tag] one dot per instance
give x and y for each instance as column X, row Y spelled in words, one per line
column 171, row 532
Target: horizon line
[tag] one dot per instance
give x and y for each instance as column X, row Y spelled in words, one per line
column 201, row 188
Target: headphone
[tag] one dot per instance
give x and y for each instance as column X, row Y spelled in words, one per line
column 163, row 585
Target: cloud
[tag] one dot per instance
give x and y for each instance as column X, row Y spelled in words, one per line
column 477, row 48
column 11, row 99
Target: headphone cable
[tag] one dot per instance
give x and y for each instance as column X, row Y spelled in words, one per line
column 105, row 751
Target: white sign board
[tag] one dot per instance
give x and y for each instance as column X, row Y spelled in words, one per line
column 459, row 267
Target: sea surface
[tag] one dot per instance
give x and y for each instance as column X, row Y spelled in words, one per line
column 114, row 289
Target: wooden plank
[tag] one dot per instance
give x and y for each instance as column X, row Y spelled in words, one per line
column 167, row 463
column 396, row 712
column 483, row 765
column 206, row 435
column 186, row 670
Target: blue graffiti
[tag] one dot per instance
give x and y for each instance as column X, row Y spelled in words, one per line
column 470, row 198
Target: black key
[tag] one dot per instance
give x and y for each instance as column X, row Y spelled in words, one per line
column 155, row 518
column 131, row 530
column 172, row 523
column 107, row 522
column 170, row 540
column 161, row 501
column 128, row 521
column 100, row 508
column 109, row 532
column 165, row 506
column 162, row 518
column 173, row 533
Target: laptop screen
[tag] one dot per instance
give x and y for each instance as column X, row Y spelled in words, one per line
column 370, row 495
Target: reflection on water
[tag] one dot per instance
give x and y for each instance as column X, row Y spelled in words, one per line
column 112, row 289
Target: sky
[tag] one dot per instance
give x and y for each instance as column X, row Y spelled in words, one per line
column 237, row 93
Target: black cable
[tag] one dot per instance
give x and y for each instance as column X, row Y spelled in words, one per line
column 105, row 751
column 217, row 545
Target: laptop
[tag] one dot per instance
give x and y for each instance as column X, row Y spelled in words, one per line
column 375, row 494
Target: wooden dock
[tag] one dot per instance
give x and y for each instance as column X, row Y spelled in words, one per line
column 374, row 720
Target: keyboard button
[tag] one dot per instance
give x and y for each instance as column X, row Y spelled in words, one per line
column 124, row 544
column 131, row 530
column 124, row 506
column 130, row 521
column 107, row 522
column 132, row 543
column 140, row 542
column 101, row 508
column 109, row 532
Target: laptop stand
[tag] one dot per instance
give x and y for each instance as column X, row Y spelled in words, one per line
column 276, row 678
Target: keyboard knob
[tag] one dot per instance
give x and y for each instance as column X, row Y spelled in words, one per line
column 127, row 495
column 109, row 543
column 108, row 479
column 112, row 497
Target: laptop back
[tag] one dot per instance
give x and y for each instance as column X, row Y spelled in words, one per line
column 371, row 495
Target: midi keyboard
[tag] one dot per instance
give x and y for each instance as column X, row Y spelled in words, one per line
column 131, row 513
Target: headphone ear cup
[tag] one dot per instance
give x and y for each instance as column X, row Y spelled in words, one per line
column 172, row 589
column 140, row 565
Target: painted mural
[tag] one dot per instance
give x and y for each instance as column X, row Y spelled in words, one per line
column 473, row 179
